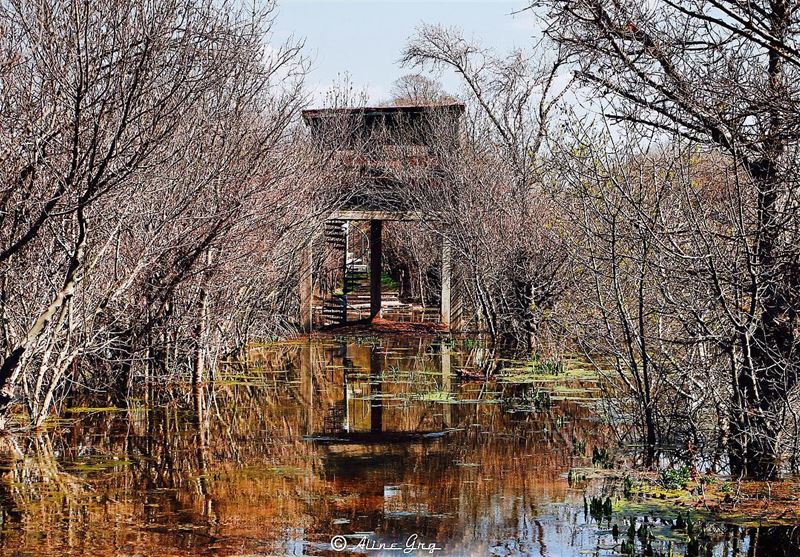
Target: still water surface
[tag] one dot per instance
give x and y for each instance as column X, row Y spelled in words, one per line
column 366, row 443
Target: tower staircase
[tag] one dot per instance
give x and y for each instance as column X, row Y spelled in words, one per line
column 352, row 303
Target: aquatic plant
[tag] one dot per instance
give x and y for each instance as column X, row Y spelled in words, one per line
column 675, row 478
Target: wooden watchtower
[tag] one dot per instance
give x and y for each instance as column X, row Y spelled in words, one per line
column 370, row 140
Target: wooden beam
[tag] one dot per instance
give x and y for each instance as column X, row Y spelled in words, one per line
column 376, row 215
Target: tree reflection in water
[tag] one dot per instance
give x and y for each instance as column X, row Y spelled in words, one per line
column 314, row 440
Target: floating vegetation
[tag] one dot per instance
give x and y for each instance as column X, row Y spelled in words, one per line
column 675, row 478
column 96, row 463
column 434, row 396
column 674, row 492
column 91, row 410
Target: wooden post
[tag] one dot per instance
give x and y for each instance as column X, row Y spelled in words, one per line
column 346, row 228
column 375, row 256
column 446, row 286
column 306, row 289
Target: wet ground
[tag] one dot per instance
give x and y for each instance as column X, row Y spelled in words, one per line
column 367, row 446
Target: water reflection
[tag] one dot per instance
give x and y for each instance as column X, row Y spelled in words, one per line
column 380, row 399
column 376, row 440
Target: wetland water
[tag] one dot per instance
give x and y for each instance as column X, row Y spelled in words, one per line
column 373, row 440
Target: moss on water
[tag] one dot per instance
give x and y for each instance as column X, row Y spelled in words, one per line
column 435, row 396
column 546, row 371
column 89, row 410
column 750, row 503
column 96, row 464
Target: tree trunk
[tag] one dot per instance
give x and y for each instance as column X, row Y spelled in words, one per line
column 13, row 365
column 767, row 374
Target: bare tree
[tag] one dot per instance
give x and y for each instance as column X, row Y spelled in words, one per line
column 488, row 194
column 719, row 73
column 418, row 89
column 138, row 141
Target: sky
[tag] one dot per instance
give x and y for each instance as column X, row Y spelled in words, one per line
column 365, row 38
